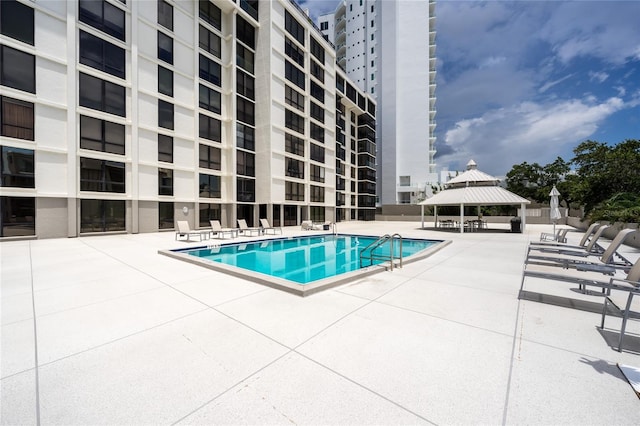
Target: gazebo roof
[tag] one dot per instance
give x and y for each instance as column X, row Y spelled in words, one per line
column 474, row 188
column 475, row 196
column 472, row 176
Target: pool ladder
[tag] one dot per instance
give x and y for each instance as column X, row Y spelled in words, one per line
column 391, row 239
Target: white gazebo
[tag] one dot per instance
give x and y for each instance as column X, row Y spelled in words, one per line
column 474, row 188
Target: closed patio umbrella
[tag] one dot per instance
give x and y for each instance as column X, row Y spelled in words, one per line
column 555, row 210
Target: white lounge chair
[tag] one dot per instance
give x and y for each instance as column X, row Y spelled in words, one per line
column 244, row 228
column 184, row 231
column 583, row 242
column 266, row 227
column 560, row 236
column 307, row 225
column 584, row 258
column 220, row 232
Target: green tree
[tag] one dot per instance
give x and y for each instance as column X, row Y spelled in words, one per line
column 534, row 181
column 604, row 171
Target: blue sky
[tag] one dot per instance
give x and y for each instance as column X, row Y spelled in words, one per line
column 529, row 80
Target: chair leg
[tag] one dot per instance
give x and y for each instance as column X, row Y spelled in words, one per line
column 625, row 316
column 604, row 313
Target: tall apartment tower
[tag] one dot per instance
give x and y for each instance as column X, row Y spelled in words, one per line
column 126, row 116
column 388, row 49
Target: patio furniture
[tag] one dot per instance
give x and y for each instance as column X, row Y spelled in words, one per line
column 591, row 248
column 220, row 232
column 244, row 228
column 307, row 225
column 560, row 236
column 588, row 274
column 266, row 227
column 585, row 238
column 184, row 230
column 573, row 258
column 630, row 286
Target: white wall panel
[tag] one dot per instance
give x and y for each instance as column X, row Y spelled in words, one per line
column 50, row 35
column 51, row 81
column 51, row 128
column 51, row 173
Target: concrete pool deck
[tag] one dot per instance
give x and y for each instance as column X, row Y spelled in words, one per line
column 123, row 335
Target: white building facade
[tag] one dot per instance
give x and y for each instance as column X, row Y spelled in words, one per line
column 126, row 116
column 388, row 49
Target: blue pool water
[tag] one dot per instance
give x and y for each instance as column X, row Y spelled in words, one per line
column 304, row 259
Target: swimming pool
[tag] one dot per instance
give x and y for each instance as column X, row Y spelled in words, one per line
column 301, row 264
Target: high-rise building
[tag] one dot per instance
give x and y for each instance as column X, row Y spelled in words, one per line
column 126, row 116
column 388, row 49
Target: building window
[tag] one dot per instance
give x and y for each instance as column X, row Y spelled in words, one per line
column 209, row 128
column 102, row 55
column 209, row 186
column 210, row 13
column 294, row 145
column 293, row 52
column 165, row 114
column 245, row 32
column 210, row 99
column 317, row 91
column 294, row 168
column 209, row 212
column 293, row 27
column 324, row 26
column 316, row 173
column 17, row 167
column 244, row 58
column 165, row 182
column 210, row 157
column 210, row 70
column 18, row 69
column 245, row 137
column 165, row 148
column 245, row 163
column 209, row 41
column 165, row 48
column 102, row 95
column 101, row 135
column 245, row 190
column 16, row 21
column 317, row 50
column 317, row 111
column 317, row 132
column 102, row 215
column 293, row 191
column 294, row 98
column 166, row 212
column 316, row 153
column 317, row 71
column 245, row 111
column 18, row 216
column 101, row 175
column 294, row 121
column 316, row 194
column 103, row 16
column 165, row 81
column 165, row 14
column 294, row 74
column 16, row 118
column 245, row 85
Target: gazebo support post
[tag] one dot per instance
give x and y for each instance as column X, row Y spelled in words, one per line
column 422, row 216
column 462, row 218
column 523, row 213
column 435, row 216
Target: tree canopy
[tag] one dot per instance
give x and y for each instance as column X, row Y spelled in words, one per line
column 598, row 177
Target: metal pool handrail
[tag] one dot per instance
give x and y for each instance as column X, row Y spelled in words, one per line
column 379, row 242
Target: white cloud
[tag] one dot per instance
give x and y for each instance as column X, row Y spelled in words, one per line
column 600, row 77
column 550, row 84
column 528, row 131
